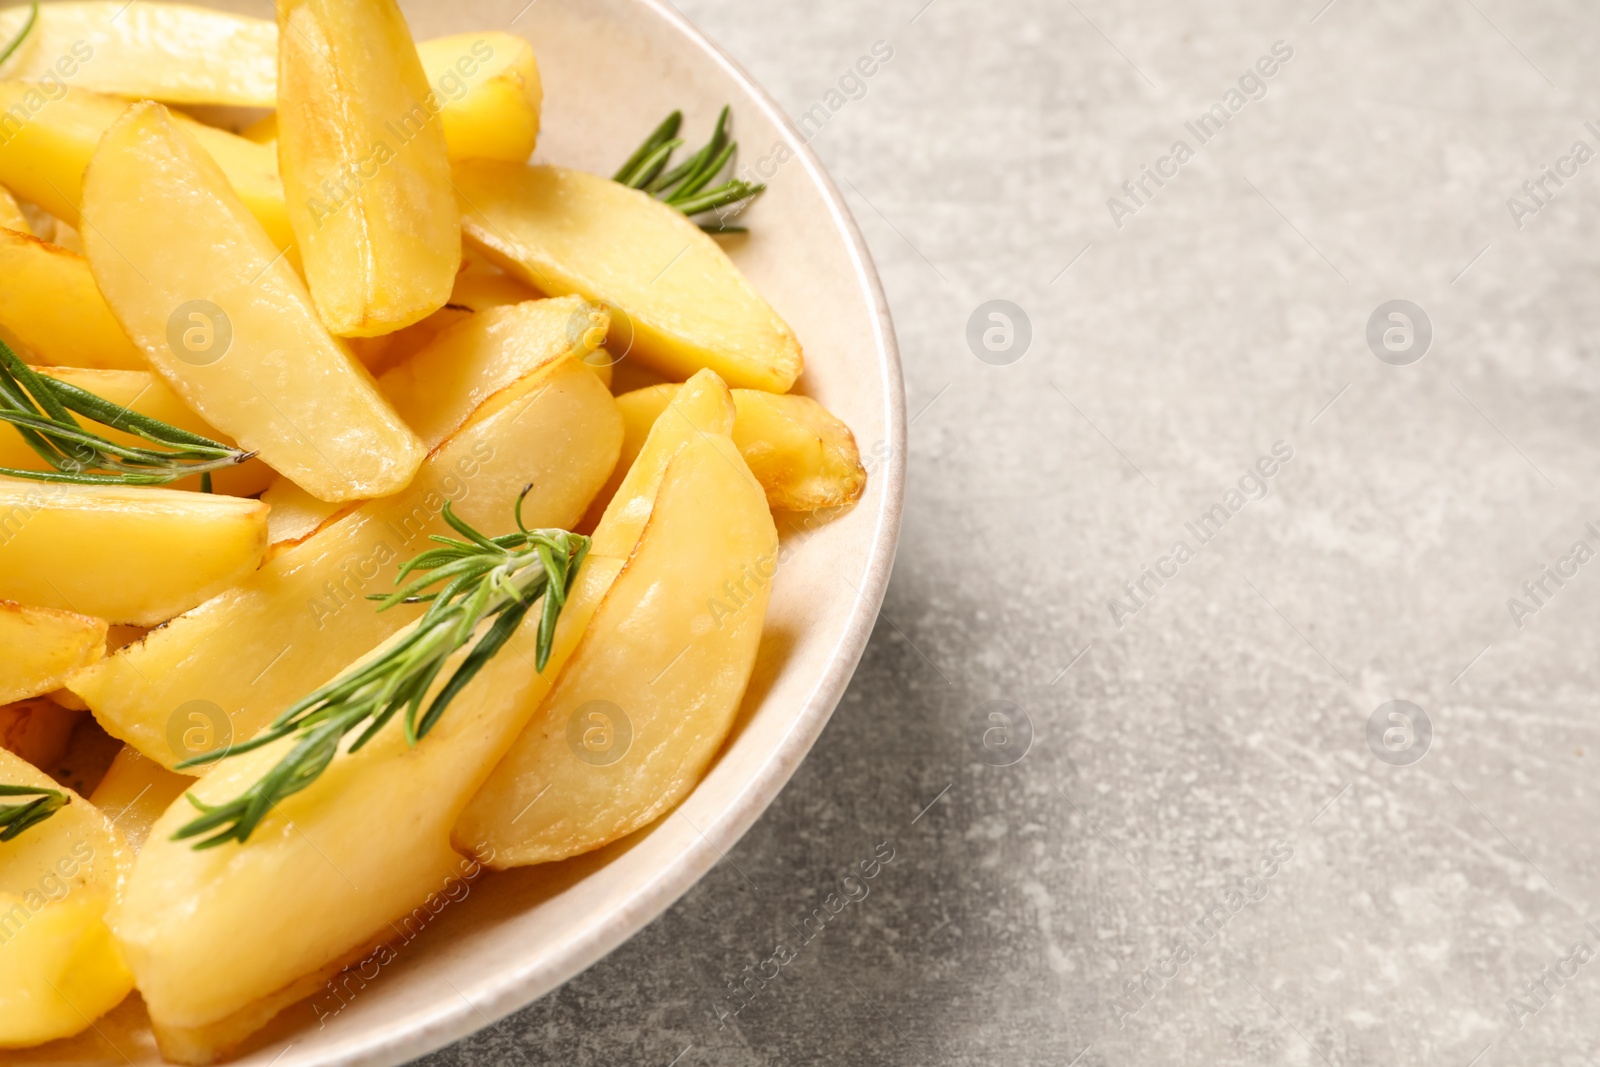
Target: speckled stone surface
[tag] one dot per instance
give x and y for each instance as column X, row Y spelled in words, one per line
column 1206, row 855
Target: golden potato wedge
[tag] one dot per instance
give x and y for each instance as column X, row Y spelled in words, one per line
column 365, row 170
column 47, row 142
column 651, row 692
column 38, row 730
column 59, row 968
column 204, row 294
column 804, row 457
column 144, row 393
column 490, row 94
column 39, row 647
column 300, row 619
column 136, row 790
column 128, row 554
column 678, row 302
column 170, row 52
column 52, row 308
column 11, row 216
column 296, row 514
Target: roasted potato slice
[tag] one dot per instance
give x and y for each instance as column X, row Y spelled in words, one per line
column 39, row 647
column 136, row 789
column 804, row 457
column 302, row 617
column 144, row 393
column 678, row 303
column 11, row 216
column 171, row 52
column 365, row 169
column 43, row 154
column 128, row 554
column 51, row 307
column 490, row 93
column 59, row 968
column 651, row 692
column 201, row 290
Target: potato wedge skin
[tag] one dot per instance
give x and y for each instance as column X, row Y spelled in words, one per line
column 302, row 617
column 199, row 287
column 804, row 457
column 51, row 308
column 145, row 393
column 491, row 93
column 128, row 554
column 39, row 647
column 169, row 52
column 365, row 168
column 44, row 158
column 669, row 285
column 663, row 664
column 59, row 968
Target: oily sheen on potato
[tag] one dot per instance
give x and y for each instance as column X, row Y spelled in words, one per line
column 365, row 169
column 678, row 302
column 303, row 616
column 126, row 554
column 50, row 307
column 39, row 647
column 200, row 288
column 651, row 692
column 59, row 968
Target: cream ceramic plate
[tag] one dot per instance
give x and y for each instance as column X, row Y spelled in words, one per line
column 612, row 69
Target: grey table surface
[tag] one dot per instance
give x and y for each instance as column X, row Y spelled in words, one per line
column 1224, row 844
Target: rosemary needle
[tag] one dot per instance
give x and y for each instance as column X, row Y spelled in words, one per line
column 486, row 579
column 22, row 34
column 41, row 408
column 684, row 186
column 15, row 818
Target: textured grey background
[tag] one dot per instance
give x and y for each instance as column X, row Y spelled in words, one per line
column 1225, row 720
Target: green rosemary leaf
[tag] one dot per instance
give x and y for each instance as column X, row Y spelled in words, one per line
column 16, row 818
column 466, row 584
column 40, row 408
column 662, row 133
column 684, row 186
column 22, row 34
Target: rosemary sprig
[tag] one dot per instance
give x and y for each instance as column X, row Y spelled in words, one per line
column 486, row 578
column 684, row 186
column 40, row 409
column 22, row 34
column 15, row 818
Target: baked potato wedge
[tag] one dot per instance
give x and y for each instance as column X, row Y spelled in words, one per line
column 59, row 967
column 200, row 288
column 650, row 694
column 39, row 647
column 52, row 308
column 365, row 170
column 128, row 554
column 678, row 303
